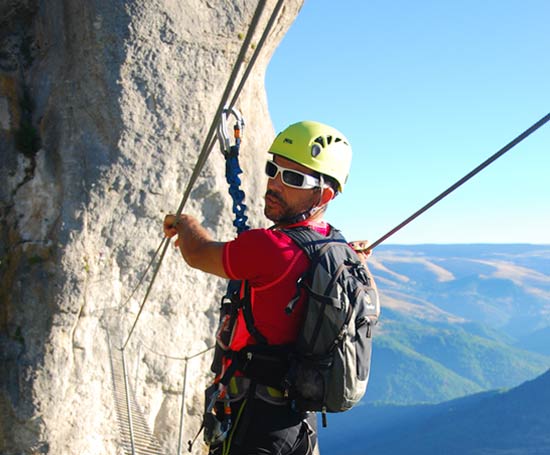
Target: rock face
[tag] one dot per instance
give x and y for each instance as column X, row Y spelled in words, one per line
column 104, row 107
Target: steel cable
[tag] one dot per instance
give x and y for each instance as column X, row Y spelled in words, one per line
column 464, row 179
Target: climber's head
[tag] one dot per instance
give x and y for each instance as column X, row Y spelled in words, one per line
column 310, row 166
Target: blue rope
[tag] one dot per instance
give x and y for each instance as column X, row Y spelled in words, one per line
column 232, row 171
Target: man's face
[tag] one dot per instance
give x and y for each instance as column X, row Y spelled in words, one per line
column 284, row 202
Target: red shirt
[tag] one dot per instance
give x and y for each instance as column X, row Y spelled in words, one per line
column 272, row 263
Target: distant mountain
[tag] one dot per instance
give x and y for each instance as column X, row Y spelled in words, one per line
column 506, row 287
column 512, row 422
column 536, row 341
column 459, row 319
column 419, row 361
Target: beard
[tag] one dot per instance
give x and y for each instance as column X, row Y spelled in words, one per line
column 278, row 210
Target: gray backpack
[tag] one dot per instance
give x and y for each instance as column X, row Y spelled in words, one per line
column 330, row 365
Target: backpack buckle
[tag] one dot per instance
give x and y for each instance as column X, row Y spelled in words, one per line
column 290, row 307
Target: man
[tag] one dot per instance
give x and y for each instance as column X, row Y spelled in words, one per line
column 310, row 166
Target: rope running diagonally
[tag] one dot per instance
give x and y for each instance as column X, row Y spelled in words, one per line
column 467, row 177
column 141, row 278
column 210, row 138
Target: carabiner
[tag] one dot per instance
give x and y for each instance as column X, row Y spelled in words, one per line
column 223, row 133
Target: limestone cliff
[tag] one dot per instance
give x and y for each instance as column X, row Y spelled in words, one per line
column 104, row 106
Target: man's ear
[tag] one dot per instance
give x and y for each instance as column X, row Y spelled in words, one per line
column 328, row 195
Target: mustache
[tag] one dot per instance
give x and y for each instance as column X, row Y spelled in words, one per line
column 274, row 195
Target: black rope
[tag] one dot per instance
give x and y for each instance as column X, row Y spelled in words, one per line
column 464, row 179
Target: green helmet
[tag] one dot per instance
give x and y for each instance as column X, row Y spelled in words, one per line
column 316, row 146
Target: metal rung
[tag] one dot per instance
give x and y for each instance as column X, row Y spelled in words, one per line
column 136, row 437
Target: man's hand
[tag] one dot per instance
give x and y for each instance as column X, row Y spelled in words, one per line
column 196, row 245
column 170, row 227
column 361, row 247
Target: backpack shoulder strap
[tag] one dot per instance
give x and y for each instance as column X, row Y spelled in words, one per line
column 311, row 241
column 246, row 305
column 314, row 245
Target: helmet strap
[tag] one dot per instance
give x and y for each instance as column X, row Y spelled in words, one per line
column 306, row 214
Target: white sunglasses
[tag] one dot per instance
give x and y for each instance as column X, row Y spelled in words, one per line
column 291, row 177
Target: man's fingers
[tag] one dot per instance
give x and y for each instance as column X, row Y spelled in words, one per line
column 360, row 246
column 169, row 226
column 169, row 221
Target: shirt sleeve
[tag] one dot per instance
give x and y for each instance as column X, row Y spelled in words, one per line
column 258, row 255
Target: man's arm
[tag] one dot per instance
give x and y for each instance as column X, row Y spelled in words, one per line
column 197, row 246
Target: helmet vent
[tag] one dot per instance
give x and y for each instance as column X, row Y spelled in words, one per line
column 315, row 150
column 316, row 146
column 320, row 140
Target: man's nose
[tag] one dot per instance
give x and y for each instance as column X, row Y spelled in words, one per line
column 275, row 183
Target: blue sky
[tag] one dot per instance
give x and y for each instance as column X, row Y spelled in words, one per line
column 425, row 91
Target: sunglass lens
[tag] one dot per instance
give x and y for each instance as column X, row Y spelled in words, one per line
column 293, row 178
column 270, row 169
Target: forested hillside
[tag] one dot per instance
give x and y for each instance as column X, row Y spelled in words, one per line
column 459, row 319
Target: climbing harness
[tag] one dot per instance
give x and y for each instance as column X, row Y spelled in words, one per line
column 232, row 167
